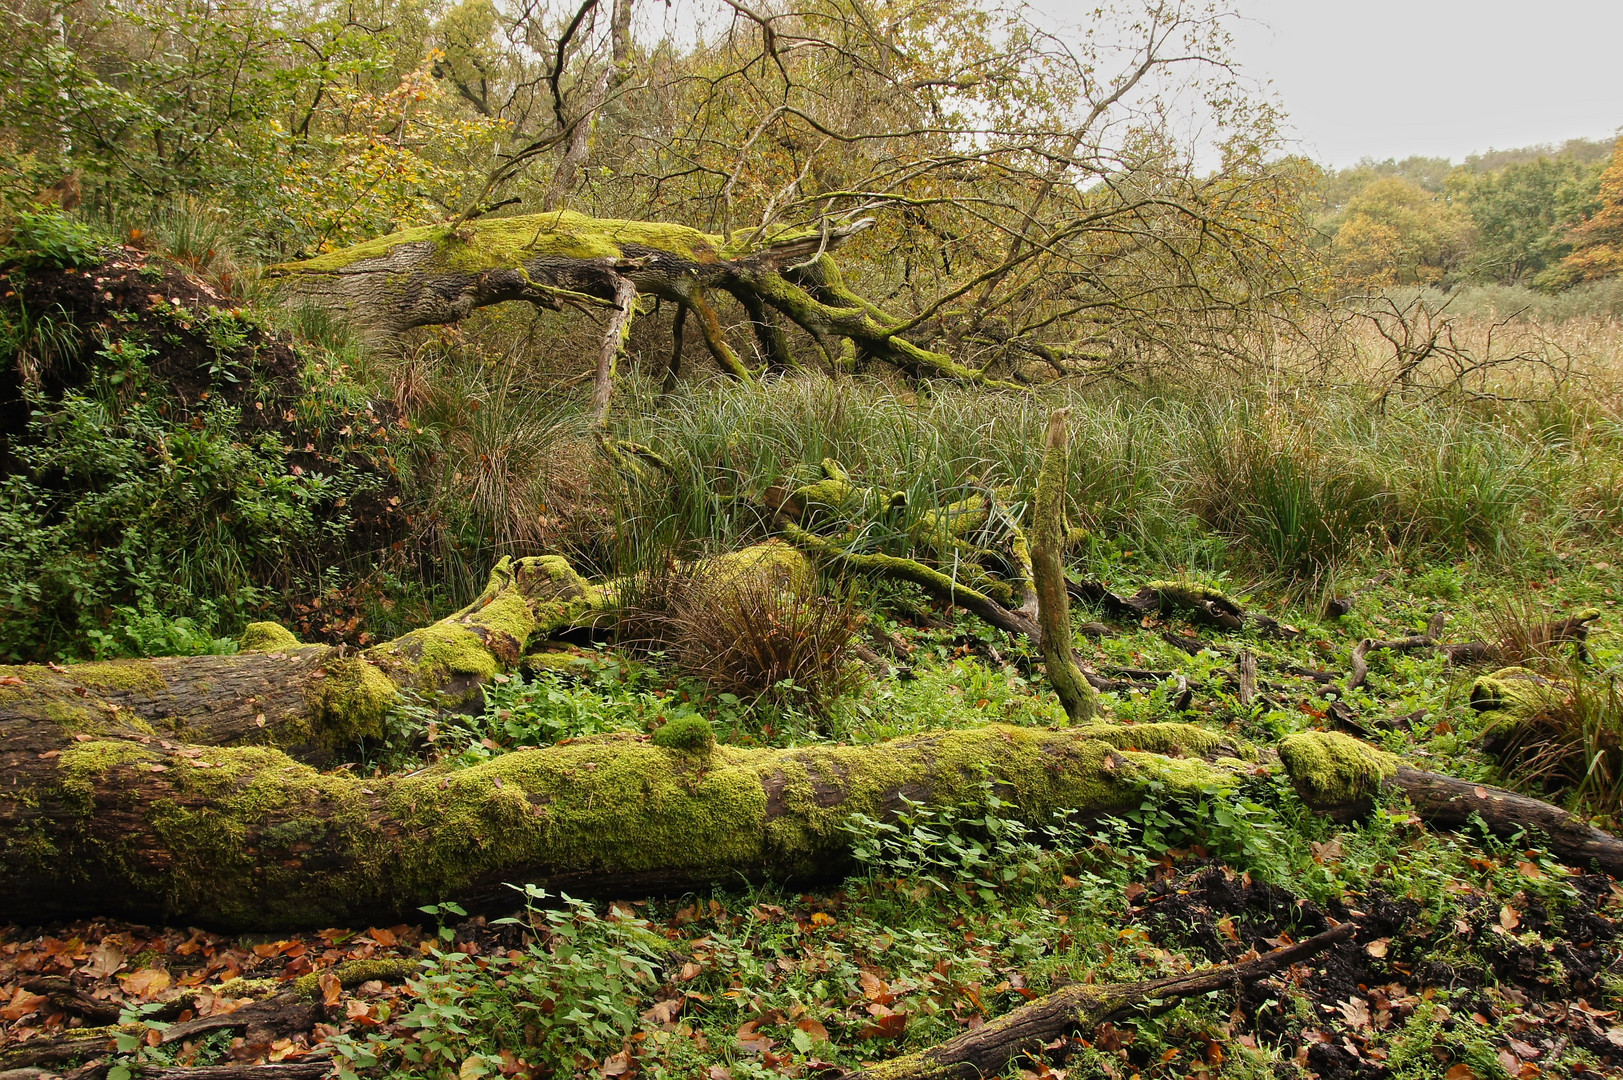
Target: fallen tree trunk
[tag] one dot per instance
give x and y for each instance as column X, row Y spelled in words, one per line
column 1339, row 776
column 244, row 837
column 1080, row 1009
column 309, row 700
column 435, row 274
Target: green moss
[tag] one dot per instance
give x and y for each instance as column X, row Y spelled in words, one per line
column 774, row 564
column 1517, row 693
column 565, row 661
column 499, row 243
column 127, row 675
column 1177, row 740
column 692, row 734
column 266, row 637
column 1330, row 769
column 352, row 973
column 83, row 766
column 354, row 698
column 242, row 836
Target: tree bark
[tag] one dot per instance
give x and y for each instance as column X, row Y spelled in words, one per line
column 1449, row 803
column 1081, row 701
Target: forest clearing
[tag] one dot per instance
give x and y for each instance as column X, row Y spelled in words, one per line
column 825, row 542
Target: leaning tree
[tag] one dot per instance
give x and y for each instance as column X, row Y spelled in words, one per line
column 439, row 274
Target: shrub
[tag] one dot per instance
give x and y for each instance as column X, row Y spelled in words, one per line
column 1570, row 747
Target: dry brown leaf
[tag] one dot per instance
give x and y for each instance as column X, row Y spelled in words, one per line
column 813, row 1028
column 664, row 1012
column 22, row 1003
column 104, row 960
column 145, row 984
column 1377, row 948
column 331, row 988
column 752, row 1041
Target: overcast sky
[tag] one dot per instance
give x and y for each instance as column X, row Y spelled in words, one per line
column 1390, row 78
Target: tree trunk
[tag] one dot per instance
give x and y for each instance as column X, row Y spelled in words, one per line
column 307, row 700
column 434, row 274
column 1081, row 701
column 244, row 837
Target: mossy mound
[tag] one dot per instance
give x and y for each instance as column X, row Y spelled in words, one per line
column 1329, row 769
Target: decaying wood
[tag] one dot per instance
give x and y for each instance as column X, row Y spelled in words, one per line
column 1450, row 803
column 1248, row 678
column 243, row 837
column 1080, row 1009
column 308, row 700
column 1079, row 699
column 1573, row 629
column 1361, row 651
column 437, row 274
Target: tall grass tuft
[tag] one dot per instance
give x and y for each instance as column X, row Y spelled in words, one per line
column 764, row 638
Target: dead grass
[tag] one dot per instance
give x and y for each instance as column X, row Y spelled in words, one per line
column 762, row 638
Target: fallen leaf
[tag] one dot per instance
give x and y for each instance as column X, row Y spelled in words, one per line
column 1356, row 1011
column 1462, row 1071
column 331, row 988
column 874, row 988
column 1377, row 948
column 22, row 1003
column 811, row 1027
column 752, row 1041
column 1508, row 917
column 145, row 984
column 104, row 960
column 617, row 1064
column 664, row 1012
column 360, row 1012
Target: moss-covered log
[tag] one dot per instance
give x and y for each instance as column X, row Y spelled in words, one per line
column 1339, row 776
column 434, row 275
column 245, row 837
column 308, row 700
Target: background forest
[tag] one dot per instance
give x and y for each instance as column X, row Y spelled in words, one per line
column 1359, row 400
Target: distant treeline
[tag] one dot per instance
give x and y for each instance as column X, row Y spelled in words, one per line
column 1543, row 216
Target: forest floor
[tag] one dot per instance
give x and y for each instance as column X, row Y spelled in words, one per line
column 1474, row 956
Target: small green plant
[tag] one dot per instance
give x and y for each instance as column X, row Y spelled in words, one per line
column 561, row 1004
column 49, row 239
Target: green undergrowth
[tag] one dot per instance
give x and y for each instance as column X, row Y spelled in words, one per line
column 956, row 916
column 172, row 465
